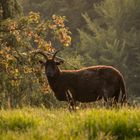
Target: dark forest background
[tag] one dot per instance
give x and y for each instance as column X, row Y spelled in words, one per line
column 103, row 32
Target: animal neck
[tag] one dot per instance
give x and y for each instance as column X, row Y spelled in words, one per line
column 53, row 80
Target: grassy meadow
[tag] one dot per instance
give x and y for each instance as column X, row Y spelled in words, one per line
column 60, row 124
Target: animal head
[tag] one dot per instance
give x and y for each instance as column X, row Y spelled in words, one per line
column 51, row 65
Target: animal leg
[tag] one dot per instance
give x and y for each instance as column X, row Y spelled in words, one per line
column 123, row 100
column 118, row 97
column 71, row 101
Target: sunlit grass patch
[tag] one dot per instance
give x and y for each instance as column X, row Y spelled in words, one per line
column 17, row 120
column 120, row 123
column 84, row 124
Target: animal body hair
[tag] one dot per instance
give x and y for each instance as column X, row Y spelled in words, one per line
column 89, row 84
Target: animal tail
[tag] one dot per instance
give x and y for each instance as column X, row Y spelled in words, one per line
column 123, row 89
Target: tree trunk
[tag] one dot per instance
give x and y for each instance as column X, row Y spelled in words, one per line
column 10, row 8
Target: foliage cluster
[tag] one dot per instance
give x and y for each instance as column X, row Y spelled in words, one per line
column 21, row 76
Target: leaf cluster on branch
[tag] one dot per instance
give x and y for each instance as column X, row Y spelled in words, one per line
column 18, row 38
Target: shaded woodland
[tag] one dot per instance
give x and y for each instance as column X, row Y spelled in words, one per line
column 91, row 32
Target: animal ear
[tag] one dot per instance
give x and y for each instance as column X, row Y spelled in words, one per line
column 59, row 62
column 41, row 62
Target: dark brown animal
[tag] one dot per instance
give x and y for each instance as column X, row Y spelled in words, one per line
column 85, row 85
